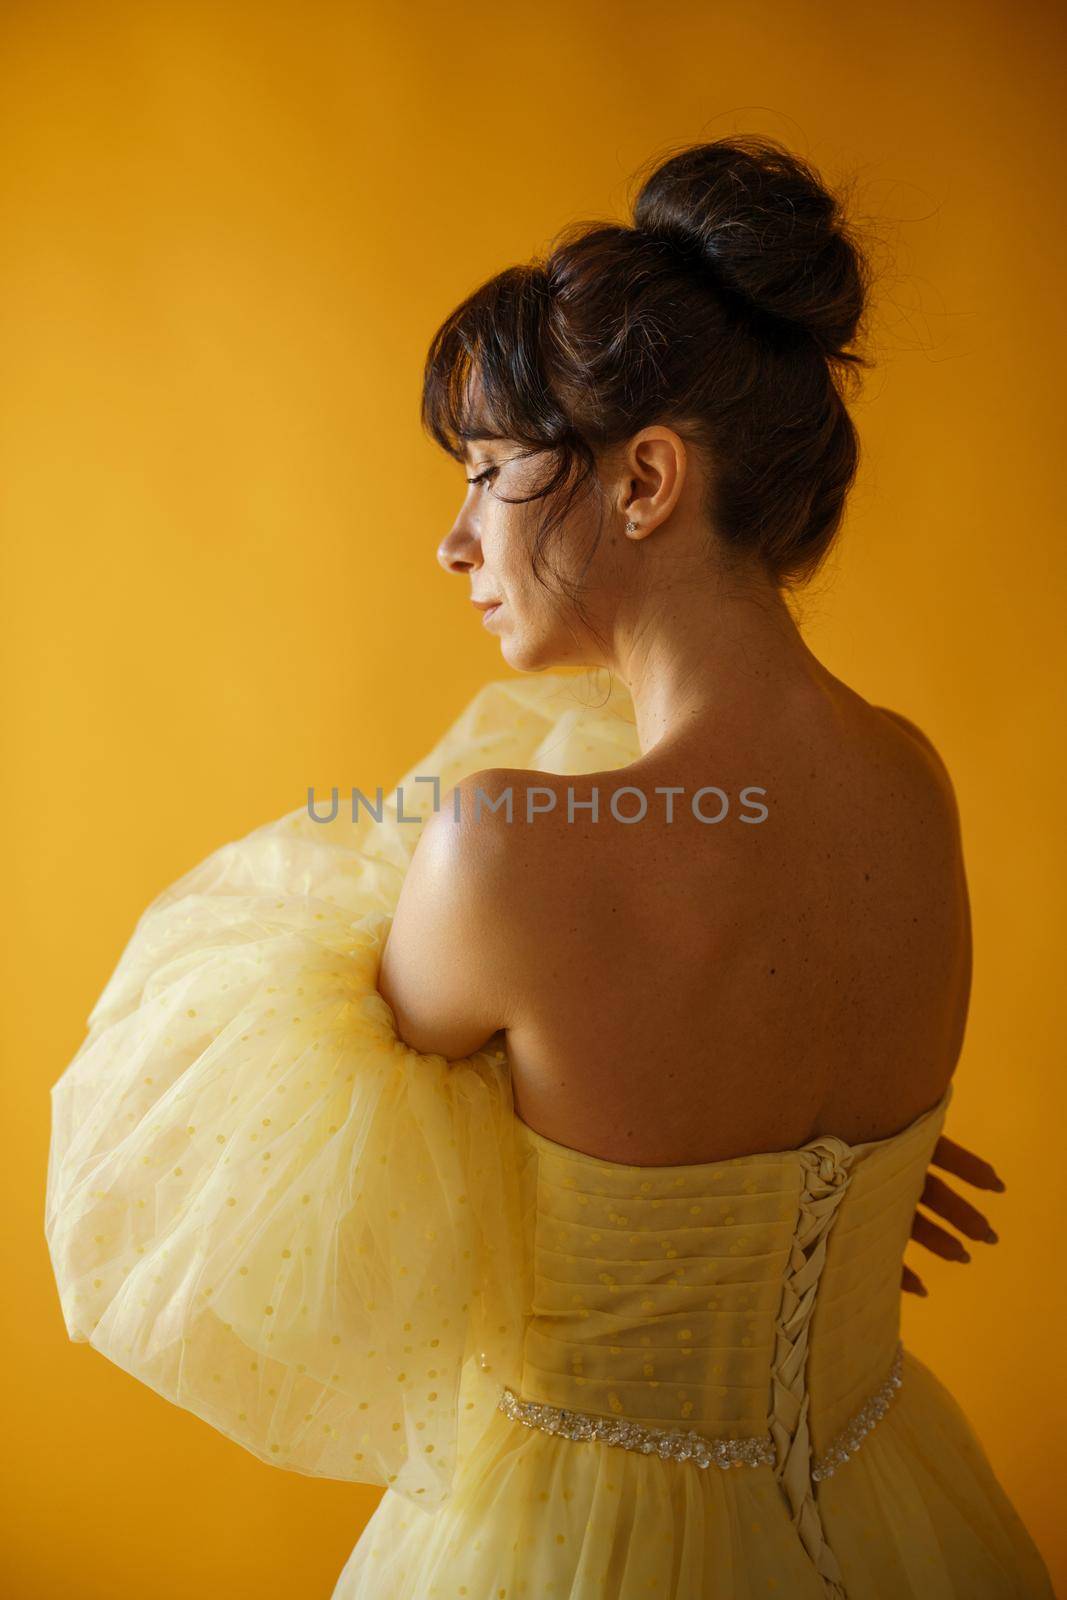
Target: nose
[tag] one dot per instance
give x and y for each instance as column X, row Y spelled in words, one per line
column 459, row 551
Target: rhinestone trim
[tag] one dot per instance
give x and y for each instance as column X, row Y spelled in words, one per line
column 674, row 1444
column 669, row 1443
column 853, row 1434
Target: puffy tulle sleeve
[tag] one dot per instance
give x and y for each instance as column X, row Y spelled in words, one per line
column 260, row 1201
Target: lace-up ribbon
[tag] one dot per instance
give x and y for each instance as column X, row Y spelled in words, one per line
column 826, row 1175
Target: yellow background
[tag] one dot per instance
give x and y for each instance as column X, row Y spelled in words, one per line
column 230, row 232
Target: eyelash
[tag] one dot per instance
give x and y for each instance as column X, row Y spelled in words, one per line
column 485, row 477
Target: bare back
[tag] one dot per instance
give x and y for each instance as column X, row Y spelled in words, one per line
column 689, row 991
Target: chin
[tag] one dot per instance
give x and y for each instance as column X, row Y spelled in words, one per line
column 524, row 655
column 541, row 655
column 545, row 641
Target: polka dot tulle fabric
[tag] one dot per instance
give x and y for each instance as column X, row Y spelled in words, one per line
column 571, row 1377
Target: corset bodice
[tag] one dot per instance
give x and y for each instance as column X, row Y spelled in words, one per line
column 742, row 1299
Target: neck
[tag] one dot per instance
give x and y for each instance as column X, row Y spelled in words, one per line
column 712, row 657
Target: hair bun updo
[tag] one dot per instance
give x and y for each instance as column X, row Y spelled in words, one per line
column 767, row 231
column 725, row 311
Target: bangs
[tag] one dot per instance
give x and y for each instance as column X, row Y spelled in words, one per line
column 485, row 376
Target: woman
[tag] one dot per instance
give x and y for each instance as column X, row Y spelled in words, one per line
column 556, row 1174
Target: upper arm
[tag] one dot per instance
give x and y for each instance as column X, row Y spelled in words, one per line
column 954, row 832
column 443, row 966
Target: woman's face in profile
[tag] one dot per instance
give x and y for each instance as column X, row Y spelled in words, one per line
column 491, row 544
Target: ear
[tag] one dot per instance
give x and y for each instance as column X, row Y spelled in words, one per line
column 654, row 468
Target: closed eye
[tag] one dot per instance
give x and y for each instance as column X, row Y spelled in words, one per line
column 485, row 477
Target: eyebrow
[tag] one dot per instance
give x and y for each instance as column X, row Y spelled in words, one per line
column 471, row 438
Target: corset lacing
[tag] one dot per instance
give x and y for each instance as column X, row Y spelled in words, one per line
column 826, row 1168
column 827, row 1163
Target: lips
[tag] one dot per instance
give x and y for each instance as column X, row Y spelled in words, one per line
column 485, row 605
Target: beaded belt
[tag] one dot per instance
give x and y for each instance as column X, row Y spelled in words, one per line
column 859, row 1426
column 665, row 1442
column 674, row 1444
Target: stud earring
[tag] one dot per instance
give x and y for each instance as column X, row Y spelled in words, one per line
column 631, row 527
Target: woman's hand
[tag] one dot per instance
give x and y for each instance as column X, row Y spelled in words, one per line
column 952, row 1207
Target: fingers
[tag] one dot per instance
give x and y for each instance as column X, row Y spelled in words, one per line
column 946, row 1203
column 938, row 1240
column 963, row 1163
column 911, row 1283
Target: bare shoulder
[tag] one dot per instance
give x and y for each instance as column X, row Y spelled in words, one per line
column 539, row 843
column 938, row 842
column 446, row 966
column 505, row 829
column 931, row 758
column 911, row 728
column 474, row 907
column 510, row 821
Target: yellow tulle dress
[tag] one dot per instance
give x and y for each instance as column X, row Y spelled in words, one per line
column 572, row 1377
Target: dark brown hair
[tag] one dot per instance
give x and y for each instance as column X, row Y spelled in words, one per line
column 725, row 312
